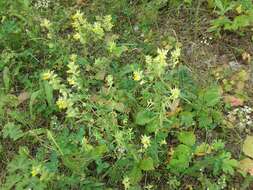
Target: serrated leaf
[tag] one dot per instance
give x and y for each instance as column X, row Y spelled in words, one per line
column 13, row 131
column 187, row 138
column 143, row 117
column 180, row 159
column 248, row 146
column 187, row 118
column 147, row 164
column 135, row 175
column 212, row 96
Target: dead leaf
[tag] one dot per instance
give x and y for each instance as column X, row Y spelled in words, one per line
column 246, row 166
column 248, row 146
column 234, row 101
column 80, row 2
column 23, row 96
column 174, row 108
column 246, row 57
column 240, row 86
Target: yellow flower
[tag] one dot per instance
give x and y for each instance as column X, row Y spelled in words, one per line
column 77, row 36
column 162, row 54
column 175, row 54
column 49, row 36
column 36, row 170
column 77, row 16
column 62, row 103
column 47, row 75
column 239, row 9
column 126, row 182
column 73, row 57
column 175, row 93
column 71, row 81
column 145, row 140
column 137, row 75
column 45, row 23
column 76, row 24
column 163, row 142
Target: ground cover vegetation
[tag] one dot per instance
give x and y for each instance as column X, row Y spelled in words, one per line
column 121, row 94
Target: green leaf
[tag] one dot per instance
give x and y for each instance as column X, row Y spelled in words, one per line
column 144, row 117
column 248, row 146
column 187, row 118
column 98, row 151
column 219, row 4
column 152, row 126
column 205, row 120
column 32, row 101
column 49, row 93
column 135, row 175
column 187, row 138
column 147, row 164
column 6, row 78
column 212, row 96
column 180, row 159
column 229, row 165
column 13, row 131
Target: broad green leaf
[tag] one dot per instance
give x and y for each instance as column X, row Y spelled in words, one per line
column 187, row 118
column 147, row 164
column 229, row 165
column 180, row 159
column 152, row 126
column 144, row 117
column 205, row 120
column 212, row 96
column 187, row 138
column 135, row 175
column 248, row 146
column 98, row 151
column 13, row 131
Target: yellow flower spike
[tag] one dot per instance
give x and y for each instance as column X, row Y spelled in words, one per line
column 175, row 54
column 126, row 182
column 239, row 9
column 47, row 75
column 77, row 16
column 145, row 140
column 163, row 142
column 137, row 75
column 62, row 103
column 75, row 24
column 45, row 23
column 73, row 57
column 77, row 36
column 35, row 170
column 175, row 93
column 71, row 81
column 162, row 53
